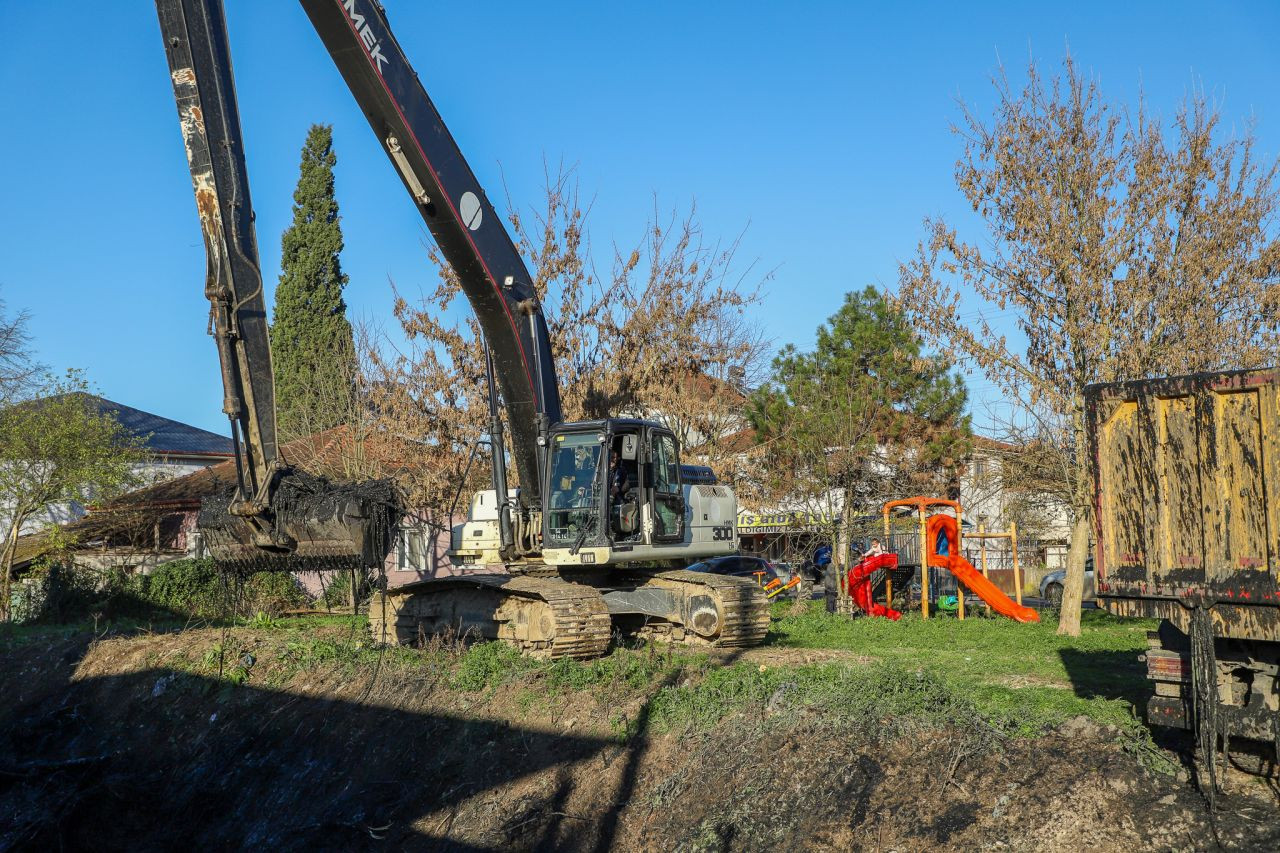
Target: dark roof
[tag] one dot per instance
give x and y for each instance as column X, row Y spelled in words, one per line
column 184, row 494
column 161, row 435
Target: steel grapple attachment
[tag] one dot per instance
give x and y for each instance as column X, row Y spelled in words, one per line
column 313, row 524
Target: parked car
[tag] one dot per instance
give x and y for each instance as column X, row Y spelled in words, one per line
column 738, row 565
column 1051, row 586
column 784, row 571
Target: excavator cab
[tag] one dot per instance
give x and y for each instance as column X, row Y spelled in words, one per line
column 614, row 484
column 575, row 509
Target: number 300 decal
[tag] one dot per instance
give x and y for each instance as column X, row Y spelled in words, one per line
column 723, row 533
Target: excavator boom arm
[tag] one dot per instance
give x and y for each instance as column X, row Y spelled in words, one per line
column 195, row 38
column 464, row 224
column 446, row 193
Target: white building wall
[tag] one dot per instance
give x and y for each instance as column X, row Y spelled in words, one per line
column 148, row 473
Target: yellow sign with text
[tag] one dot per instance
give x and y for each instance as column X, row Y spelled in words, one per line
column 780, row 522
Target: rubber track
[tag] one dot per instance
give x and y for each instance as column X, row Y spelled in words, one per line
column 582, row 624
column 744, row 607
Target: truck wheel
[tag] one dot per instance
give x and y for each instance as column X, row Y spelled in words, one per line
column 1053, row 595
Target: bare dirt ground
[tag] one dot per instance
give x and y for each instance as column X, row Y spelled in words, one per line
column 122, row 743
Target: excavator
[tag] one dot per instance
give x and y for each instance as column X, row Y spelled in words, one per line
column 605, row 513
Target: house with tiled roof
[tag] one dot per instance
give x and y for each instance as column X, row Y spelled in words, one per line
column 150, row 526
column 173, row 449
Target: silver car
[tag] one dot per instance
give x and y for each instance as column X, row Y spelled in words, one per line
column 1051, row 586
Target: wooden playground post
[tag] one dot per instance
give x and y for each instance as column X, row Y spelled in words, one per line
column 959, row 552
column 924, row 564
column 888, row 578
column 1017, row 574
column 982, row 549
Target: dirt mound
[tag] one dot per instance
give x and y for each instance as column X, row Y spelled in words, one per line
column 304, row 740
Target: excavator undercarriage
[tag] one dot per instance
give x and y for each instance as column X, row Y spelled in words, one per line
column 575, row 615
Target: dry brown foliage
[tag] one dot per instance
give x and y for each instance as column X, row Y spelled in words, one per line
column 1120, row 247
column 663, row 334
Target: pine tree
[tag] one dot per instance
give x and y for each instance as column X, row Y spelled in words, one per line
column 312, row 346
column 866, row 416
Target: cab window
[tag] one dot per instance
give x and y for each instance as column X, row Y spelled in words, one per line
column 668, row 503
column 575, row 482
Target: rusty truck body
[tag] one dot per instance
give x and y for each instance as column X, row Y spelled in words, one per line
column 1186, row 487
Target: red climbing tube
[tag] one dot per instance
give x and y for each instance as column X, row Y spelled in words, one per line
column 860, row 584
column 942, row 528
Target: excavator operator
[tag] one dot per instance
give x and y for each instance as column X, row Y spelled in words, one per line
column 620, row 485
column 619, row 482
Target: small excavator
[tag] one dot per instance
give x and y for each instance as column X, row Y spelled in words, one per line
column 605, row 513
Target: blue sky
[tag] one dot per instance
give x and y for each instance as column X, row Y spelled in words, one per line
column 822, row 129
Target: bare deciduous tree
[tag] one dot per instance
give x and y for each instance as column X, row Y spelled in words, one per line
column 1120, row 247
column 17, row 367
column 650, row 339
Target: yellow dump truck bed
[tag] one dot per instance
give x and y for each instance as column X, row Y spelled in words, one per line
column 1186, row 477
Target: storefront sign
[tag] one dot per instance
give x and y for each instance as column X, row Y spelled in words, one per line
column 753, row 524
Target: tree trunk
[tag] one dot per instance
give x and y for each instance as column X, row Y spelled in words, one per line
column 1078, row 553
column 6, row 566
column 841, row 553
column 1073, row 586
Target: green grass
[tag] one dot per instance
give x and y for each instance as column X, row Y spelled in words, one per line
column 13, row 636
column 1023, row 675
column 990, row 674
column 1008, row 677
column 878, row 696
column 624, row 672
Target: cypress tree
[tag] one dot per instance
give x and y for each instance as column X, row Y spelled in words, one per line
column 312, row 347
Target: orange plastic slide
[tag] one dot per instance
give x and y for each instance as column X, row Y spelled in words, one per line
column 968, row 575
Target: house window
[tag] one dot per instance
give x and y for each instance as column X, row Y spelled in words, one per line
column 412, row 553
column 198, row 549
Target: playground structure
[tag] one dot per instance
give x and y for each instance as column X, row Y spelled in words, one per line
column 939, row 547
column 1012, row 536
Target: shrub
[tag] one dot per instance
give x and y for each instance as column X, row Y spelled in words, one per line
column 337, row 591
column 271, row 593
column 29, row 598
column 189, row 587
column 54, row 591
column 62, row 592
column 197, row 588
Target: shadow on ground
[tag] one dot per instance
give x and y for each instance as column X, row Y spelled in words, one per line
column 160, row 758
column 107, row 748
column 1107, row 674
